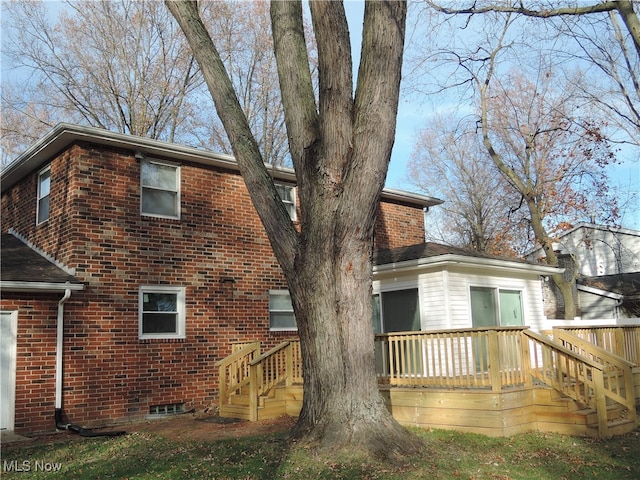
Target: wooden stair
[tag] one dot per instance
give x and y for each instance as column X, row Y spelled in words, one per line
column 556, row 412
column 280, row 400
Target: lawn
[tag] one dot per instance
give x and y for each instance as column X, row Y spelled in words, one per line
column 450, row 455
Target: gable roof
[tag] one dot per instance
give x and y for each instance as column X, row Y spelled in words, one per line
column 64, row 134
column 430, row 253
column 24, row 269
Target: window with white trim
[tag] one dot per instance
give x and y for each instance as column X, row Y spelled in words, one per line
column 288, row 195
column 281, row 316
column 396, row 311
column 161, row 312
column 492, row 306
column 44, row 190
column 160, row 189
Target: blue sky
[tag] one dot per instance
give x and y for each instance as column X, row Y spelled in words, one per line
column 414, row 113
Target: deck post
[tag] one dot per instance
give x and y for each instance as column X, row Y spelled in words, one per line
column 619, row 347
column 289, row 365
column 222, row 385
column 600, row 402
column 253, row 393
column 494, row 360
column 526, row 360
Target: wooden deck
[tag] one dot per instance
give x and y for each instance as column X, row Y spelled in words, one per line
column 495, row 381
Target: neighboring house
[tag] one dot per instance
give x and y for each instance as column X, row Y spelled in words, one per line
column 130, row 266
column 608, row 271
column 432, row 286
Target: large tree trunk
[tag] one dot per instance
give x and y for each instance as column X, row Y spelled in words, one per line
column 340, row 148
column 342, row 406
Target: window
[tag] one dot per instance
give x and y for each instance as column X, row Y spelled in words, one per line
column 161, row 312
column 44, row 189
column 492, row 307
column 160, row 196
column 288, row 195
column 281, row 315
column 396, row 311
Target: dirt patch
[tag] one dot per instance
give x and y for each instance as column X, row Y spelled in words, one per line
column 185, row 427
column 207, row 428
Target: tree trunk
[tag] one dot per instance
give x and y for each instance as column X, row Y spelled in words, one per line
column 342, row 406
column 565, row 286
column 340, row 148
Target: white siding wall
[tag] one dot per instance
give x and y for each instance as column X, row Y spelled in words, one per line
column 445, row 297
column 433, row 300
column 603, row 252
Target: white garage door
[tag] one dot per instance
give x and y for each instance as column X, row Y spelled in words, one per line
column 8, row 330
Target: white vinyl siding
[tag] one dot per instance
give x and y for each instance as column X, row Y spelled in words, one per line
column 445, row 297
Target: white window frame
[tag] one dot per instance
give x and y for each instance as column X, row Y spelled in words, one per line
column 280, row 329
column 41, row 197
column 180, row 293
column 290, row 205
column 151, row 187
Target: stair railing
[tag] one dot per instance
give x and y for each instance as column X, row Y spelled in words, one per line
column 577, row 377
column 233, row 371
column 617, row 372
column 281, row 364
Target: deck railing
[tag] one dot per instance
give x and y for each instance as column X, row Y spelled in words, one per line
column 617, row 371
column 280, row 365
column 622, row 340
column 495, row 358
column 472, row 358
column 234, row 370
column 577, row 377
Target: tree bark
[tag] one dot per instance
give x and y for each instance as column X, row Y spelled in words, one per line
column 340, row 149
column 525, row 185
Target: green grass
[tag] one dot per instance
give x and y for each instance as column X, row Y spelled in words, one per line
column 450, row 455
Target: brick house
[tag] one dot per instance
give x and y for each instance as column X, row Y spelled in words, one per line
column 129, row 267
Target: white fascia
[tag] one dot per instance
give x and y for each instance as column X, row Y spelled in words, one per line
column 462, row 260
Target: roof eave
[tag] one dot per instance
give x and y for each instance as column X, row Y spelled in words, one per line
column 64, row 134
column 454, row 259
column 40, row 287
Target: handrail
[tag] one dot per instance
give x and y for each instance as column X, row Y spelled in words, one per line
column 623, row 340
column 272, row 368
column 238, row 354
column 577, row 377
column 614, row 368
column 233, row 371
column 273, row 351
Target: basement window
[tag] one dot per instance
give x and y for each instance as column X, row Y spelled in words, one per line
column 167, row 409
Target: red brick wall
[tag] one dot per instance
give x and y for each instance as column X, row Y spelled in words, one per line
column 398, row 225
column 35, row 359
column 95, row 227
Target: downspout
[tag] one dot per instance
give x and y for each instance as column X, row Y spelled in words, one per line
column 59, row 344
column 58, row 407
